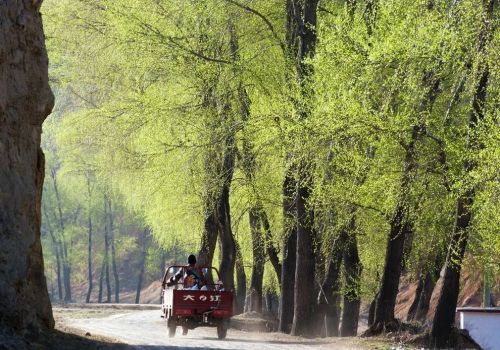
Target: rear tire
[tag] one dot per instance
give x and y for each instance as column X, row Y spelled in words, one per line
column 171, row 330
column 172, row 325
column 222, row 329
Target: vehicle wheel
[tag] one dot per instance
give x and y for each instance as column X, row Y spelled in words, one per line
column 171, row 330
column 222, row 330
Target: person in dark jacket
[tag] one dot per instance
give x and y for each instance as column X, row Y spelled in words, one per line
column 192, row 274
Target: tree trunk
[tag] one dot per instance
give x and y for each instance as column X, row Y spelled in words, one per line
column 106, row 252
column 66, row 264
column 143, row 266
column 258, row 261
column 209, row 235
column 426, row 282
column 371, row 310
column 25, row 101
column 228, row 248
column 101, row 280
column 328, row 298
column 241, row 280
column 56, row 248
column 89, row 255
column 425, row 296
column 305, row 261
column 289, row 256
column 401, row 225
column 418, row 292
column 444, row 316
column 113, row 252
column 271, row 250
column 352, row 293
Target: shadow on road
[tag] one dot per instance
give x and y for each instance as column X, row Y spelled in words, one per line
column 255, row 341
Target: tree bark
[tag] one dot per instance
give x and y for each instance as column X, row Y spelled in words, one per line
column 303, row 313
column 444, row 316
column 352, row 294
column 418, row 292
column 209, row 235
column 25, row 101
column 258, row 261
column 401, row 225
column 271, row 250
column 241, row 280
column 400, row 228
column 427, row 280
column 289, row 256
column 328, row 298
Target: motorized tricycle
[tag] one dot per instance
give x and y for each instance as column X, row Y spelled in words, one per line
column 192, row 305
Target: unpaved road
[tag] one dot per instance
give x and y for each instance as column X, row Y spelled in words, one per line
column 145, row 329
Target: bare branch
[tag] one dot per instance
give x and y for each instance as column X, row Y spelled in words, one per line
column 263, row 18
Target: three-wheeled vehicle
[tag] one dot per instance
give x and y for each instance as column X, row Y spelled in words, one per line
column 190, row 305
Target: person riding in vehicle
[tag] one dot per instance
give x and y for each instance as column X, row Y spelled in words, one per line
column 192, row 274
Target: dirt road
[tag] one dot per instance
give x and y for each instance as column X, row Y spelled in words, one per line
column 145, row 329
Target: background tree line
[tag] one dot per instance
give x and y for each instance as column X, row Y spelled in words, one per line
column 324, row 149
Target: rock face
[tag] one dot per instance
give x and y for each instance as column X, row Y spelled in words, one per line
column 25, row 101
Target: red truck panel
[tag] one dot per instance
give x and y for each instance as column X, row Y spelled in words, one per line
column 197, row 302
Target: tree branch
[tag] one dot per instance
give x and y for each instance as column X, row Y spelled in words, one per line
column 263, row 18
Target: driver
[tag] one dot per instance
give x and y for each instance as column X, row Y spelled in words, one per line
column 193, row 276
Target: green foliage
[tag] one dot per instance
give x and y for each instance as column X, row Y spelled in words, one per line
column 143, row 84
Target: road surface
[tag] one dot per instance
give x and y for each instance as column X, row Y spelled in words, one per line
column 145, row 329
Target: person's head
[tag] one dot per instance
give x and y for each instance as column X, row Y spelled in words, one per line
column 191, row 259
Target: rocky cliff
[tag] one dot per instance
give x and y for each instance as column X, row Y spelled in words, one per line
column 25, row 101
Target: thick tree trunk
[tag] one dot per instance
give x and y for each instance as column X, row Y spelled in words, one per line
column 289, row 256
column 228, row 247
column 400, row 228
column 258, row 261
column 303, row 312
column 25, row 101
column 209, row 236
column 401, row 225
column 352, row 293
column 113, row 252
column 303, row 316
column 371, row 310
column 328, row 298
column 241, row 280
column 444, row 316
